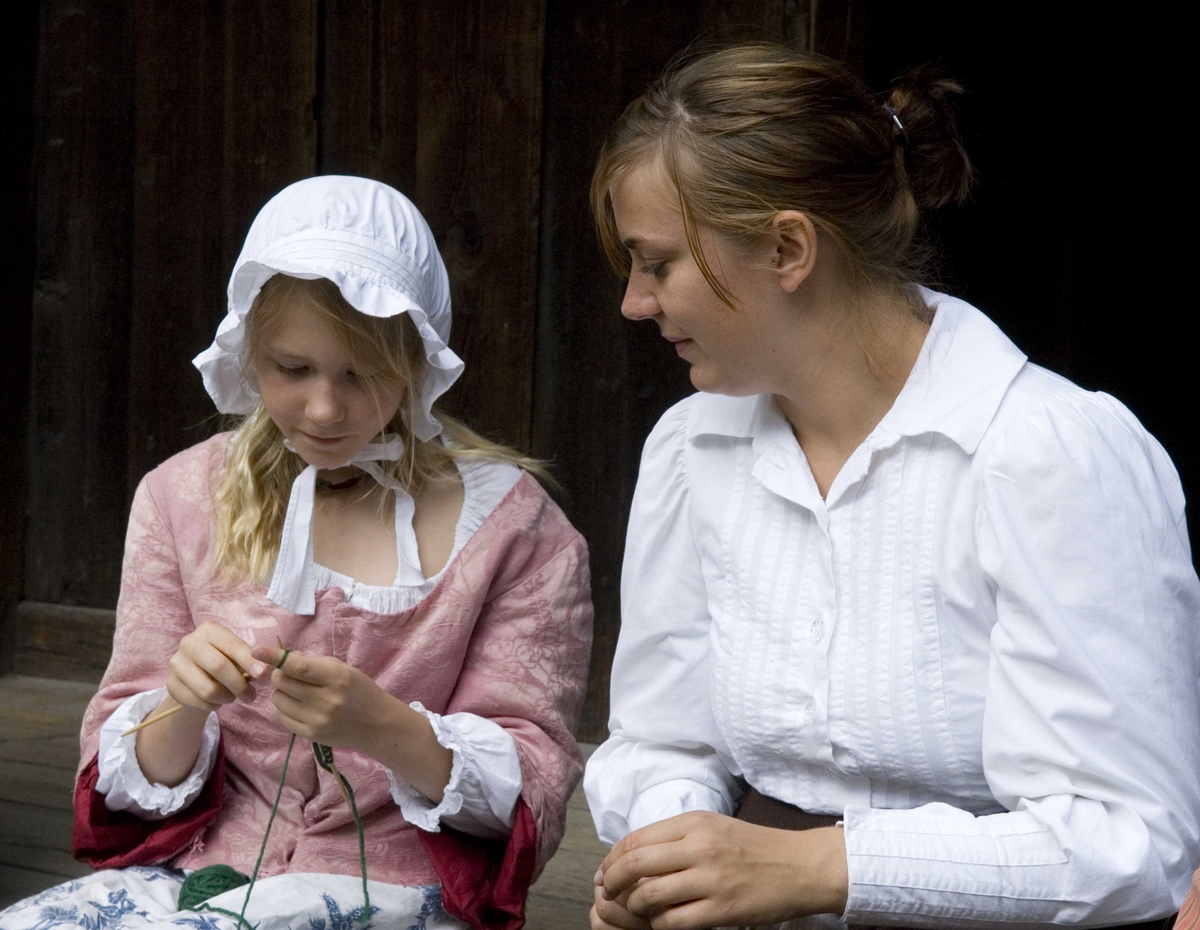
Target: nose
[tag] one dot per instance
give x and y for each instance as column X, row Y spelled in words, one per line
column 323, row 405
column 638, row 303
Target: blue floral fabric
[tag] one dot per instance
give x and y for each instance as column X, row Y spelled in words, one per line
column 139, row 897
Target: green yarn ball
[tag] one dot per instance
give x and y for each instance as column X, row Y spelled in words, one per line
column 209, row 882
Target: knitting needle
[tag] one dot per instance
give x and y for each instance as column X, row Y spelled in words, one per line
column 164, row 715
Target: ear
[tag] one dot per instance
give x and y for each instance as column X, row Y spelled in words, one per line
column 793, row 239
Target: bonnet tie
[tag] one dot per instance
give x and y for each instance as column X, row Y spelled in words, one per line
column 293, row 584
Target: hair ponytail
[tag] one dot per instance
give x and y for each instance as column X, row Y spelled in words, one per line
column 746, row 132
column 936, row 164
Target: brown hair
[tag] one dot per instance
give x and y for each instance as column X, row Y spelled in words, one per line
column 251, row 497
column 748, row 131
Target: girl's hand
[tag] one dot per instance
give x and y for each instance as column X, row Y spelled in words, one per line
column 206, row 669
column 327, row 701
column 323, row 699
column 704, row 870
column 205, row 672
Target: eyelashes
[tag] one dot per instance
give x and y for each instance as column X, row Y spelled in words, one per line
column 295, row 373
column 300, row 372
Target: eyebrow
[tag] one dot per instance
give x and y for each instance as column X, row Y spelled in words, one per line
column 284, row 353
column 632, row 242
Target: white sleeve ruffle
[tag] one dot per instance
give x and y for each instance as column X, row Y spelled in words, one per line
column 485, row 778
column 121, row 781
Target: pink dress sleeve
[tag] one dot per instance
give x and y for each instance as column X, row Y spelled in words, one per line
column 526, row 669
column 152, row 616
column 1189, row 911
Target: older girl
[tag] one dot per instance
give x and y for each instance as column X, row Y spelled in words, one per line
column 433, row 601
column 922, row 611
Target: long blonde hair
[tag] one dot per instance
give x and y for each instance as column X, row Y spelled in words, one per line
column 251, row 496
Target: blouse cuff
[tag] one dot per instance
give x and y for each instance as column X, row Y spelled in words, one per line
column 672, row 798
column 121, row 781
column 485, row 778
column 949, row 866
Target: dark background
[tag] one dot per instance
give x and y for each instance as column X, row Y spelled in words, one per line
column 140, row 138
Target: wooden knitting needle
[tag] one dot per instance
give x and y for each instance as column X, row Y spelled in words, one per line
column 164, row 715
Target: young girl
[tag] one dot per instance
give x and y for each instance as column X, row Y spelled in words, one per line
column 350, row 567
column 925, row 613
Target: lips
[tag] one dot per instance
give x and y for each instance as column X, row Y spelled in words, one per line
column 322, row 440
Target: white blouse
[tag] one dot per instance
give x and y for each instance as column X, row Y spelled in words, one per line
column 485, row 775
column 980, row 650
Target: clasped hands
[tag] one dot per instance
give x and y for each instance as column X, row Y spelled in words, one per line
column 701, row 870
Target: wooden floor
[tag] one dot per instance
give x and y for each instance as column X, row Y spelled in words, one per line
column 39, row 749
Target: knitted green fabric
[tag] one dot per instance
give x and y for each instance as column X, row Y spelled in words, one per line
column 209, row 882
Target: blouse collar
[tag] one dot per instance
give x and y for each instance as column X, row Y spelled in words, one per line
column 955, row 388
column 962, row 373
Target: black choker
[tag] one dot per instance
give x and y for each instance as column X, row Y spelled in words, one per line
column 324, row 486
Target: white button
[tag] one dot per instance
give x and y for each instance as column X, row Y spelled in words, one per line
column 808, row 714
column 817, row 630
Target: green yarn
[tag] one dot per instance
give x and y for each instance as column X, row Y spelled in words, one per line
column 270, row 820
column 209, row 882
column 213, row 880
column 324, row 757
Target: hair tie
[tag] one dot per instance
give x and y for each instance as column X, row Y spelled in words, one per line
column 902, row 138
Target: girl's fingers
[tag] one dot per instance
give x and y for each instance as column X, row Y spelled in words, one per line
column 299, row 727
column 300, row 690
column 222, row 670
column 296, row 665
column 191, row 686
column 284, row 702
column 233, row 647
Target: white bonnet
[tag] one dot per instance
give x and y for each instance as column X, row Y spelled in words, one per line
column 369, row 240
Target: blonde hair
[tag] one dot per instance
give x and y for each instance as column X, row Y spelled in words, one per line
column 746, row 132
column 252, row 491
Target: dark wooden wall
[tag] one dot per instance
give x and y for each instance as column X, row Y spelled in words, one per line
column 154, row 131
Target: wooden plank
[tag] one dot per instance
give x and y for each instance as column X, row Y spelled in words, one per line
column 178, row 269
column 61, row 751
column 67, row 700
column 18, row 66
column 601, row 382
column 34, row 828
column 60, row 641
column 543, row 912
column 839, row 30
column 58, row 862
column 39, row 722
column 562, row 895
column 368, row 112
column 478, row 153
column 34, row 783
column 80, row 310
column 270, row 135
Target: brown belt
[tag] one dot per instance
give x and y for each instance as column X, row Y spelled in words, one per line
column 769, row 812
